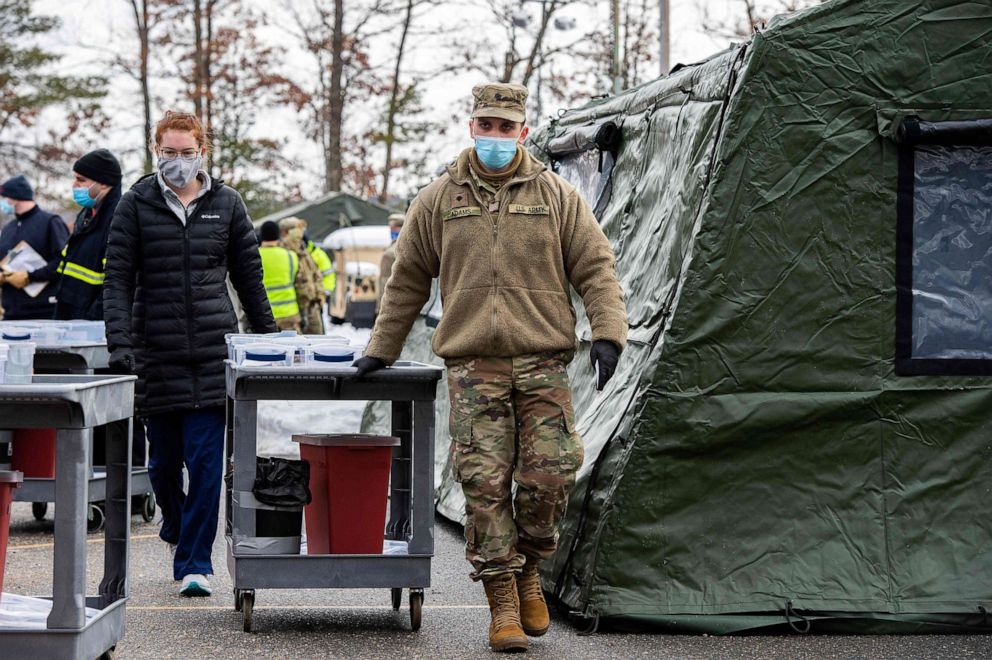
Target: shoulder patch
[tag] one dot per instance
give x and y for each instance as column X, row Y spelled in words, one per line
column 462, row 212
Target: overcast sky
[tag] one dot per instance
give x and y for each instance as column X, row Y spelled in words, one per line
column 93, row 31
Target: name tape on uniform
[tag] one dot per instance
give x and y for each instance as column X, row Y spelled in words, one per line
column 463, row 212
column 529, row 209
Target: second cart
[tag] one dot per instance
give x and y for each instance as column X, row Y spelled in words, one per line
column 412, row 388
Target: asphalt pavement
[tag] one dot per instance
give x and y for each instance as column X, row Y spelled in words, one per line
column 361, row 623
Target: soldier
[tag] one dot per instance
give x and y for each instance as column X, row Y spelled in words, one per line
column 280, row 273
column 388, row 257
column 324, row 263
column 310, row 283
column 506, row 237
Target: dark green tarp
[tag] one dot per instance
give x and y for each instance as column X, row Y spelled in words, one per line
column 756, row 450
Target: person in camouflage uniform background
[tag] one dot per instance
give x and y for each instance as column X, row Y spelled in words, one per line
column 310, row 294
column 507, row 239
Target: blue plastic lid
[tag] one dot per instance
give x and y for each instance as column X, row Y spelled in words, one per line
column 348, row 357
column 266, row 357
column 17, row 337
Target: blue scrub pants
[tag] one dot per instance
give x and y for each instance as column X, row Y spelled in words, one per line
column 194, row 438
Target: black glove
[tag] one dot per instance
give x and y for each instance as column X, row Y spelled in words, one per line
column 606, row 354
column 367, row 365
column 121, row 361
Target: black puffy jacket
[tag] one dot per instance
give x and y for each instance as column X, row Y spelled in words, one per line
column 165, row 294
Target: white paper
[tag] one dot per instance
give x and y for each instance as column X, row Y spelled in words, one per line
column 24, row 257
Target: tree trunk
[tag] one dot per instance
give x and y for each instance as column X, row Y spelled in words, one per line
column 393, row 102
column 142, row 26
column 208, row 117
column 198, row 59
column 336, row 101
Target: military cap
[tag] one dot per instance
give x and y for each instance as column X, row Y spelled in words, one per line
column 502, row 100
column 292, row 222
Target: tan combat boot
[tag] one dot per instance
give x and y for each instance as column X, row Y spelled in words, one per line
column 533, row 610
column 505, row 633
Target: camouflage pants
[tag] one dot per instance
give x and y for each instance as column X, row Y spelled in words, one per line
column 313, row 321
column 289, row 322
column 512, row 421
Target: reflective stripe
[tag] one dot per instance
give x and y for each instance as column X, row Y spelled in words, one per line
column 283, row 302
column 82, row 273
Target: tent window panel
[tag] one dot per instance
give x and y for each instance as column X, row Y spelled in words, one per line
column 952, row 248
column 589, row 171
column 944, row 262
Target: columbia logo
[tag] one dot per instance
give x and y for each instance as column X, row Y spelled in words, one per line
column 210, row 217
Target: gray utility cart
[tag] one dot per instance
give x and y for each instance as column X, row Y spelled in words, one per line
column 83, row 358
column 75, row 405
column 411, row 387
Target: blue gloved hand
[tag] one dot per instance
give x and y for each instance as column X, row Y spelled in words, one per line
column 605, row 355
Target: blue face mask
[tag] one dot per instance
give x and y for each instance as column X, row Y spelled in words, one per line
column 393, row 235
column 495, row 153
column 82, row 197
column 6, row 207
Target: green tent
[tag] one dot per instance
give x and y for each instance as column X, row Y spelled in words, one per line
column 800, row 429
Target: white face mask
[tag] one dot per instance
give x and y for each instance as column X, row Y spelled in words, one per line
column 180, row 173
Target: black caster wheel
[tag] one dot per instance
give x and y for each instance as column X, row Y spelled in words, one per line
column 397, row 594
column 148, row 507
column 94, row 518
column 247, row 606
column 39, row 509
column 109, row 654
column 416, row 607
column 238, row 600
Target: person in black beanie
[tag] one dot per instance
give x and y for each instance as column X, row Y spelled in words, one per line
column 46, row 233
column 96, row 188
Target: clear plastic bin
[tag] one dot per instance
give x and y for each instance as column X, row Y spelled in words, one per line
column 267, row 355
column 20, row 362
column 3, row 363
column 332, row 355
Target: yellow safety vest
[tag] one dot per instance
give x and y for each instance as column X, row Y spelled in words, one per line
column 324, row 264
column 80, row 272
column 279, row 268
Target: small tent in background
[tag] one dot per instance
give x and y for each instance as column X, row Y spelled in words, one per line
column 801, row 422
column 331, row 212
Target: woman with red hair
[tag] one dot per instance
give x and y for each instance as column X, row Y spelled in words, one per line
column 176, row 237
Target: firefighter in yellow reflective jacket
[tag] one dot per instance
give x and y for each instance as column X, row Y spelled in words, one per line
column 280, row 268
column 96, row 188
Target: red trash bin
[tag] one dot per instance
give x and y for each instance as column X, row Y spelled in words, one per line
column 349, row 482
column 8, row 482
column 33, row 452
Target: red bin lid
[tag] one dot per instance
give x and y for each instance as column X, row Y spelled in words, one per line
column 353, row 440
column 11, row 477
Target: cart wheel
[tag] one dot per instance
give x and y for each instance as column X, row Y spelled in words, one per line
column 247, row 605
column 148, row 507
column 416, row 605
column 94, row 519
column 39, row 509
column 397, row 594
column 238, row 600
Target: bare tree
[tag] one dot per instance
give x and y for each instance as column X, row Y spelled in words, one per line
column 343, row 71
column 749, row 16
column 148, row 14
